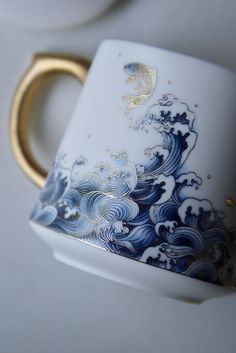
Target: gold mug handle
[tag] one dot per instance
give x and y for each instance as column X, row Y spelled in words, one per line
column 42, row 67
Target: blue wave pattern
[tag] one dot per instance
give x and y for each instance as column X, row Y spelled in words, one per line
column 144, row 211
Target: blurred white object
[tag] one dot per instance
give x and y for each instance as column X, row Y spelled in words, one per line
column 51, row 14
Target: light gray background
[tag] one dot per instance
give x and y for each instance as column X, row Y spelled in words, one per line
column 46, row 306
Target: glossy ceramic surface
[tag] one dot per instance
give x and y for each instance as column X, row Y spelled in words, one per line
column 140, row 171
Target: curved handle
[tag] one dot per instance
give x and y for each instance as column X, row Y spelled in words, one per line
column 42, row 66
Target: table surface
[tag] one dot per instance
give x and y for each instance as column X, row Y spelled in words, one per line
column 46, row 306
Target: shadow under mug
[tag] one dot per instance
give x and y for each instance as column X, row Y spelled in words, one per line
column 145, row 170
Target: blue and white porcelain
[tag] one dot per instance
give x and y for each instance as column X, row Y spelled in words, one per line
column 146, row 172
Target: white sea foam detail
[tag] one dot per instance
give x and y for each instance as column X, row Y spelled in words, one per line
column 195, row 206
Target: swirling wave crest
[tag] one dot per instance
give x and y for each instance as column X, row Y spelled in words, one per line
column 144, row 211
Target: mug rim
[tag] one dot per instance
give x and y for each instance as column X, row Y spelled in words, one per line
column 199, row 60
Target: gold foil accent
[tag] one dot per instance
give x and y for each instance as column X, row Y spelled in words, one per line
column 144, row 79
column 230, row 202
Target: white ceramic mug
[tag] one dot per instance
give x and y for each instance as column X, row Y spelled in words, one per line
column 52, row 14
column 142, row 188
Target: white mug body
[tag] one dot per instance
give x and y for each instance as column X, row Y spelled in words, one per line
column 145, row 171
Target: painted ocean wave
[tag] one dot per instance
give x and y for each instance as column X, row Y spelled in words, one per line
column 144, row 211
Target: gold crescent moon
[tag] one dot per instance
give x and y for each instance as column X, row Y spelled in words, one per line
column 145, row 80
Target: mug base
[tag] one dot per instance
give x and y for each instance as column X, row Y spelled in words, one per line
column 126, row 271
